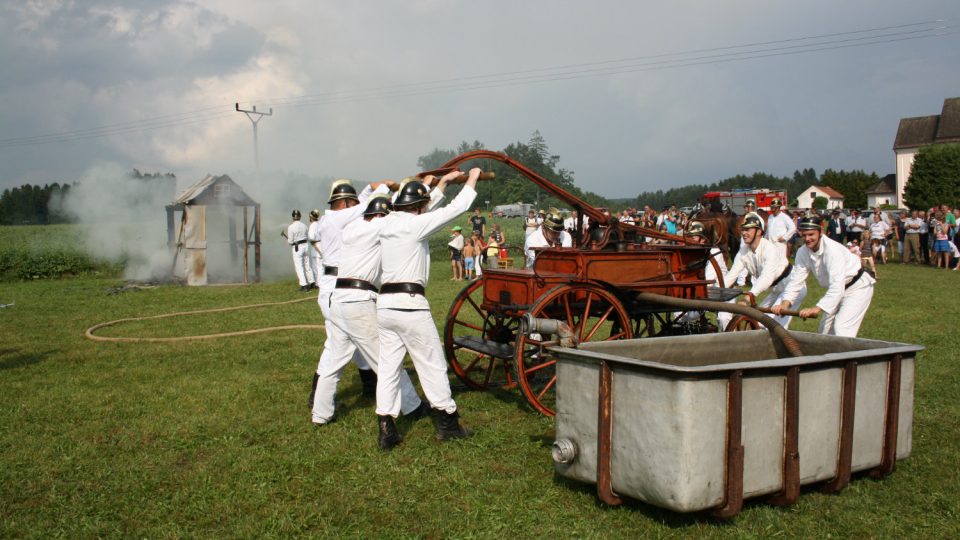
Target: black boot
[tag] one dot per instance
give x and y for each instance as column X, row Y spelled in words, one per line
column 313, row 391
column 368, row 378
column 448, row 426
column 389, row 436
column 419, row 412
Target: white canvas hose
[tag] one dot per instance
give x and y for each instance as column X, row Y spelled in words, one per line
column 89, row 334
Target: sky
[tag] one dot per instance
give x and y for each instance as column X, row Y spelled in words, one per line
column 632, row 96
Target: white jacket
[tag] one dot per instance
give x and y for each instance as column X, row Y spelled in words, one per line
column 833, row 266
column 764, row 265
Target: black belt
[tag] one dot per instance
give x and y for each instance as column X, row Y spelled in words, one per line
column 298, row 242
column 854, row 280
column 344, row 283
column 786, row 272
column 411, row 288
column 329, row 270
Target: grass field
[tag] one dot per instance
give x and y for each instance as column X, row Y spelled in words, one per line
column 213, row 438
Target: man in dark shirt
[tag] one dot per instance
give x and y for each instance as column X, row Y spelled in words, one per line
column 479, row 223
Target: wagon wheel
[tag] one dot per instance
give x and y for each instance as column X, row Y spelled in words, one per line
column 477, row 343
column 592, row 313
column 741, row 322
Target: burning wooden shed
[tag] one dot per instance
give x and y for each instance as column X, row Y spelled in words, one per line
column 215, row 232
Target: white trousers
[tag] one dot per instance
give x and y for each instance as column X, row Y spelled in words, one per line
column 316, row 264
column 853, row 307
column 351, row 329
column 324, row 300
column 301, row 263
column 775, row 296
column 412, row 332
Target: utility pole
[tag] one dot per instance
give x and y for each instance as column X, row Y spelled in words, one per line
column 255, row 116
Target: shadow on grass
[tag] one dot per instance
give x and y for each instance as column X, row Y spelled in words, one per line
column 13, row 358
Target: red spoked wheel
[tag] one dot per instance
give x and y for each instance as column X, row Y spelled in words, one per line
column 479, row 344
column 741, row 322
column 592, row 313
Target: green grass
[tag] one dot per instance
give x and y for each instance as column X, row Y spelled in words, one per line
column 48, row 251
column 213, row 439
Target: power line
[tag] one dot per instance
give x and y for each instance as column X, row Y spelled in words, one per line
column 694, row 57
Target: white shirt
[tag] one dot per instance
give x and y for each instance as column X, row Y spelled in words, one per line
column 296, row 232
column 879, row 230
column 313, row 234
column 780, row 228
column 456, row 242
column 856, row 224
column 764, row 265
column 405, row 249
column 710, row 273
column 530, row 225
column 537, row 240
column 833, row 265
column 912, row 225
column 360, row 259
column 331, row 233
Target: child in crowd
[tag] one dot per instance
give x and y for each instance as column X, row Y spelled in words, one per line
column 865, row 258
column 469, row 253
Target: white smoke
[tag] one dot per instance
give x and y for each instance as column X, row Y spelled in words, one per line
column 125, row 218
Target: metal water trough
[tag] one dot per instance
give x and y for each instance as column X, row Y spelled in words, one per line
column 702, row 422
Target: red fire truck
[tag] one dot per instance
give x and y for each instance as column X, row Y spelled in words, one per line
column 737, row 197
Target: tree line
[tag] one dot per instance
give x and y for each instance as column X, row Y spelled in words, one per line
column 852, row 184
column 42, row 205
column 510, row 187
column 33, row 205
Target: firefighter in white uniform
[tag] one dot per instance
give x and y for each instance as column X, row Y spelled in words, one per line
column 403, row 312
column 849, row 286
column 345, row 207
column 780, row 228
column 313, row 239
column 767, row 265
column 352, row 324
column 297, row 238
column 696, row 232
column 549, row 234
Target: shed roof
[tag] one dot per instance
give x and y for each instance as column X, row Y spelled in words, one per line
column 924, row 130
column 215, row 190
column 886, row 185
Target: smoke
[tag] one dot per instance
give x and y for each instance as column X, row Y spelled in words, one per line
column 124, row 218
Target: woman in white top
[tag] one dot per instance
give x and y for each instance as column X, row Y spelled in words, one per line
column 878, row 232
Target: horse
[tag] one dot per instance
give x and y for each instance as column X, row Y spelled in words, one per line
column 721, row 224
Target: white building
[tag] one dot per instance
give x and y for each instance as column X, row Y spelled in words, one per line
column 922, row 131
column 834, row 197
column 883, row 192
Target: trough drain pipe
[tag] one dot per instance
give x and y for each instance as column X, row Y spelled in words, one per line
column 772, row 326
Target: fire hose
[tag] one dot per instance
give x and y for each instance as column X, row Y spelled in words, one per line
column 89, row 334
column 775, row 329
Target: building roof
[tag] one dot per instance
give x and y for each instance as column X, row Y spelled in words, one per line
column 215, row 190
column 924, row 130
column 886, row 186
column 830, row 192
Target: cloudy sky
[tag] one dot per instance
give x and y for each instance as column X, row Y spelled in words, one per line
column 631, row 95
